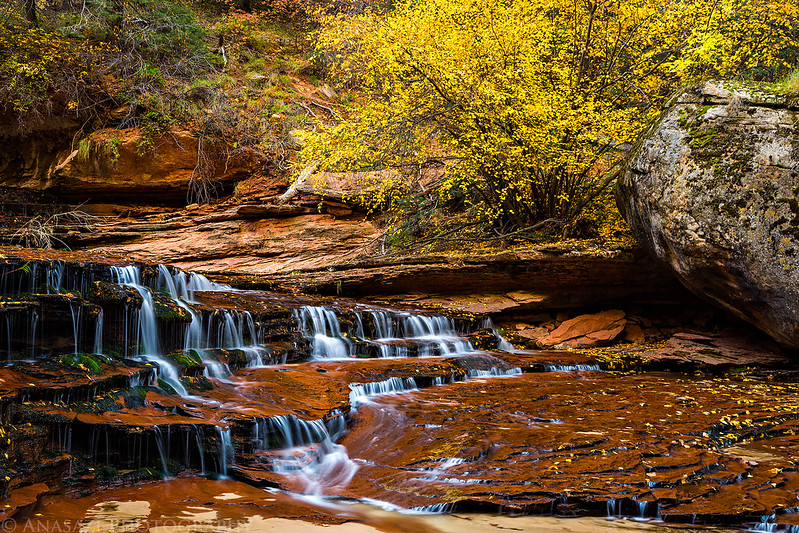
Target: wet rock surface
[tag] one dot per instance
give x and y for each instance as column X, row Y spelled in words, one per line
column 191, row 380
column 633, row 445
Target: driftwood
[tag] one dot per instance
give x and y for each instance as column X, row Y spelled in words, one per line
column 299, row 184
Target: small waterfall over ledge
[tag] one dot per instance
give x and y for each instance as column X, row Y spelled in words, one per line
column 379, row 333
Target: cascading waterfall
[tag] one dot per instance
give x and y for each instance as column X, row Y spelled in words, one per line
column 322, row 325
column 54, row 277
column 385, row 335
column 308, row 450
column 502, row 343
column 226, row 451
column 76, row 309
column 439, row 330
column 147, row 327
column 393, row 334
column 230, row 332
column 198, row 436
column 185, row 285
column 178, row 288
column 572, row 368
column 34, row 322
column 162, row 452
column 361, row 392
column 493, row 372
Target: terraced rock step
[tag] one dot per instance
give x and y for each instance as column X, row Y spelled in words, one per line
column 126, row 374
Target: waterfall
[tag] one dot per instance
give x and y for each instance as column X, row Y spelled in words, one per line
column 159, row 442
column 185, row 285
column 198, row 437
column 437, row 508
column 98, row 334
column 226, row 451
column 361, row 392
column 54, row 277
column 439, row 330
column 33, row 324
column 493, row 372
column 148, row 329
column 393, row 333
column 230, row 331
column 309, row 452
column 322, row 325
column 76, row 309
column 502, row 343
column 386, row 335
column 572, row 368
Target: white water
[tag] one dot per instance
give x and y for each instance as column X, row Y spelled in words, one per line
column 308, row 452
column 493, row 372
column 76, row 309
column 226, row 451
column 361, row 392
column 98, row 334
column 159, row 442
column 572, row 368
column 147, row 327
column 393, row 334
column 54, row 277
column 321, row 323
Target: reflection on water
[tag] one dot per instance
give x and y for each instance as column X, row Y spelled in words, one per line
column 119, row 517
column 213, row 516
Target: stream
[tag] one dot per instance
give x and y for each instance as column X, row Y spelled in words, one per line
column 140, row 397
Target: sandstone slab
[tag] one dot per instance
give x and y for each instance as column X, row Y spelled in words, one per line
column 586, row 330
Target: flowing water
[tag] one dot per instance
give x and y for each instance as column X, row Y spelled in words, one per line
column 387, row 420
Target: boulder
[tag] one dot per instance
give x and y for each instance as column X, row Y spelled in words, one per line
column 713, row 191
column 586, row 330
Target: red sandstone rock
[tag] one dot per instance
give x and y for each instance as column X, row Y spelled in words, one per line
column 586, row 330
column 634, row 333
column 118, row 166
column 22, row 500
column 718, row 351
column 533, row 333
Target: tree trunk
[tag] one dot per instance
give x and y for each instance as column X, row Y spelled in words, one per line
column 30, row 12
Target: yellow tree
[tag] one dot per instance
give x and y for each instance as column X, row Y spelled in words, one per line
column 529, row 104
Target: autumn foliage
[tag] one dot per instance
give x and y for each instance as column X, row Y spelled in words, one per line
column 529, row 107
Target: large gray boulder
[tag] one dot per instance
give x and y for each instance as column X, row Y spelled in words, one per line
column 713, row 190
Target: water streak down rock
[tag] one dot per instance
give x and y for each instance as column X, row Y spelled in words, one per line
column 713, row 190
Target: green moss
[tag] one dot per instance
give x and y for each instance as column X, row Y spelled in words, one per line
column 198, row 384
column 702, row 138
column 188, row 359
column 137, row 393
column 166, row 309
column 166, row 387
column 90, row 363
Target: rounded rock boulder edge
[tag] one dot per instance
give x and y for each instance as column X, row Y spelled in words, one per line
column 712, row 189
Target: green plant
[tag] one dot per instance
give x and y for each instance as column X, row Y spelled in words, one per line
column 84, row 149
column 152, row 123
column 790, row 83
column 112, row 147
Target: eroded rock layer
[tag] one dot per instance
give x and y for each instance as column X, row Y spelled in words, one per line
column 146, row 372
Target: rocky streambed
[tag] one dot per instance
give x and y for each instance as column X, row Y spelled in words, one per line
column 138, row 397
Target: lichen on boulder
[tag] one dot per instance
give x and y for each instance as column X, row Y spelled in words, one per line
column 713, row 190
